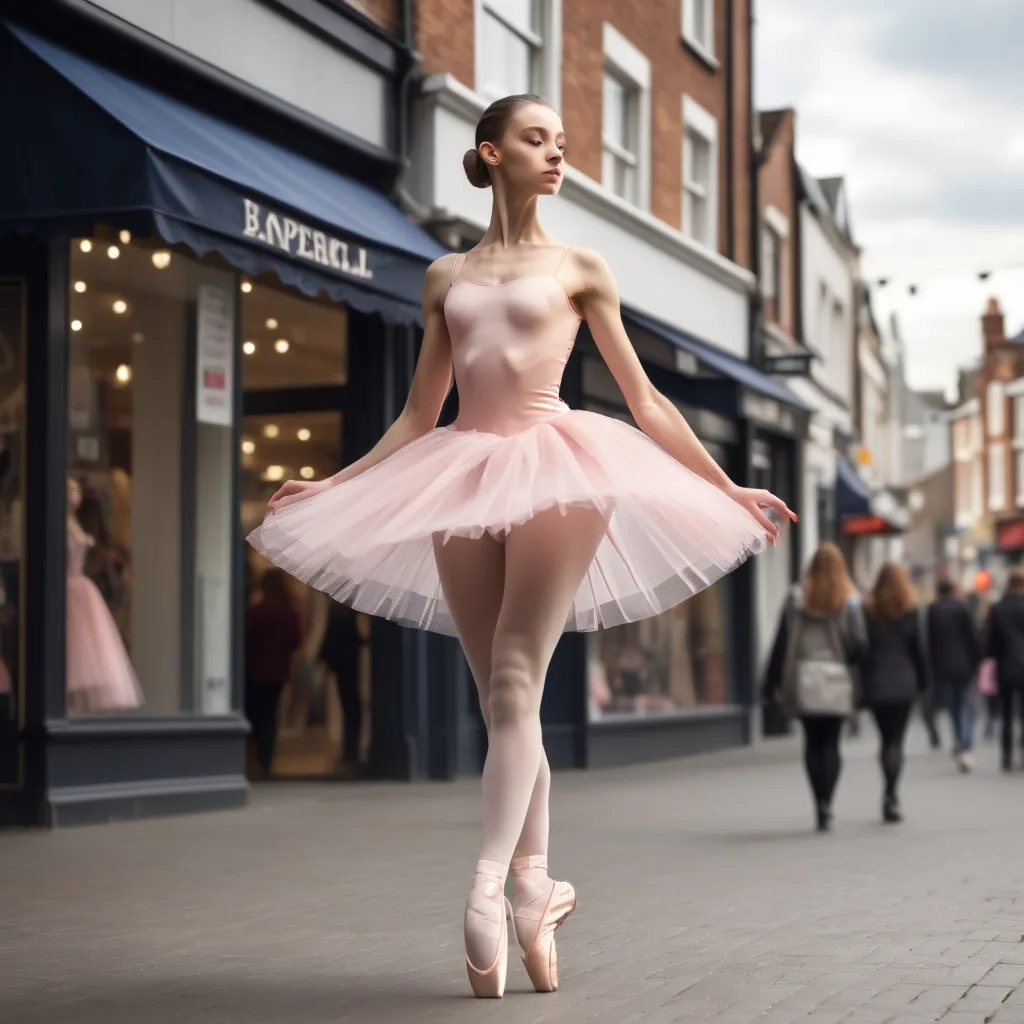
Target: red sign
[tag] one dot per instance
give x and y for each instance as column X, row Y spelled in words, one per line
column 1010, row 535
column 856, row 526
column 215, row 379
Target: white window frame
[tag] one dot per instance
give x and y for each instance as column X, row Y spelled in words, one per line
column 547, row 50
column 705, row 124
column 995, row 408
column 1018, row 467
column 996, row 476
column 705, row 47
column 628, row 63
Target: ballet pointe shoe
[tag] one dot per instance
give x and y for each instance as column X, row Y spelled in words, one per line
column 487, row 900
column 538, row 910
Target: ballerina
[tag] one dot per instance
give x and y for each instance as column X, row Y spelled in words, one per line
column 523, row 518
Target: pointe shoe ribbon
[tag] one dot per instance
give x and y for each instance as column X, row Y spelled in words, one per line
column 487, row 914
column 538, row 911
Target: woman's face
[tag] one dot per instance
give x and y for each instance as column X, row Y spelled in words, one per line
column 531, row 153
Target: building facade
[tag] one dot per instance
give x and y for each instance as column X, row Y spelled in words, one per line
column 657, row 109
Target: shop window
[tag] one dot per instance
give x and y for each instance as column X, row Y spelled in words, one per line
column 291, row 342
column 151, row 356
column 12, row 520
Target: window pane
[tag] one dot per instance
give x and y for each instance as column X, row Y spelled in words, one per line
column 147, row 326
column 12, row 519
column 615, row 112
column 521, row 13
column 700, row 21
column 695, row 216
column 508, row 59
column 292, row 342
column 697, row 160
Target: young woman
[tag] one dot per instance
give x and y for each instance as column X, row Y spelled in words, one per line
column 823, row 622
column 1006, row 646
column 895, row 672
column 523, row 518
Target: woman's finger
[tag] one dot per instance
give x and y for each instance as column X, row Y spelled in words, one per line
column 769, row 500
column 769, row 527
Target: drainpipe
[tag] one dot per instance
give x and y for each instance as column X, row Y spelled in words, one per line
column 407, row 30
column 755, row 156
column 730, row 132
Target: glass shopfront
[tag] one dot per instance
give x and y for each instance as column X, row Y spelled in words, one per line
column 680, row 661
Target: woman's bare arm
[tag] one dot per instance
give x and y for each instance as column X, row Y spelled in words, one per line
column 656, row 416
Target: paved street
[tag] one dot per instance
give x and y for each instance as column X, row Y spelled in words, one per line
column 703, row 896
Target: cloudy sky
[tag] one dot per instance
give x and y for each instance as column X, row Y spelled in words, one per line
column 920, row 105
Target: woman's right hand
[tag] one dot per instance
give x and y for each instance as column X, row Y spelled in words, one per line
column 292, row 491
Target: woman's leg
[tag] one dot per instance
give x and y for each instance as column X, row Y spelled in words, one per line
column 892, row 726
column 472, row 573
column 813, row 746
column 822, row 760
column 1006, row 715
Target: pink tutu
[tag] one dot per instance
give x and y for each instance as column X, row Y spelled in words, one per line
column 368, row 542
column 100, row 676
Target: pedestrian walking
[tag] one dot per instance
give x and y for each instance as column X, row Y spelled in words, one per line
column 895, row 672
column 1005, row 643
column 812, row 669
column 954, row 653
column 523, row 518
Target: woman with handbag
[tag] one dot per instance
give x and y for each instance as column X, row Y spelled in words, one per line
column 895, row 672
column 811, row 671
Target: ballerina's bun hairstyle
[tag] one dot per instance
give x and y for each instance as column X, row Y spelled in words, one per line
column 490, row 128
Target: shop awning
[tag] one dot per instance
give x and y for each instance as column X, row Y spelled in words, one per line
column 863, row 513
column 751, row 381
column 853, row 495
column 87, row 144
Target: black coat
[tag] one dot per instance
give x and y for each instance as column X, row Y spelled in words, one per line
column 894, row 669
column 954, row 644
column 1006, row 638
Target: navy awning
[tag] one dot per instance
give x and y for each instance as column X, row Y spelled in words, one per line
column 720, row 362
column 86, row 144
column 853, row 496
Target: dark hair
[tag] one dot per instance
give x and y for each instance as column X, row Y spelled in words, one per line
column 946, row 588
column 490, row 128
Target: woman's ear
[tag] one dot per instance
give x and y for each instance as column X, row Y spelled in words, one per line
column 490, row 155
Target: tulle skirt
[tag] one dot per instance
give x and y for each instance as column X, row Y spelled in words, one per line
column 100, row 676
column 368, row 542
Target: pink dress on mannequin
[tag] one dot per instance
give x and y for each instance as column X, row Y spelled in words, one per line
column 100, row 676
column 515, row 449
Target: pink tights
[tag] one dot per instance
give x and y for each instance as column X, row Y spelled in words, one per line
column 509, row 602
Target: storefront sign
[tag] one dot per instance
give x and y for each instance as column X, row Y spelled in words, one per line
column 297, row 239
column 1010, row 535
column 769, row 412
column 791, row 365
column 215, row 338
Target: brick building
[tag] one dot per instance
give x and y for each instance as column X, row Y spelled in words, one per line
column 988, row 453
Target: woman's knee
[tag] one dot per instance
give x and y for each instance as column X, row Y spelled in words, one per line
column 513, row 690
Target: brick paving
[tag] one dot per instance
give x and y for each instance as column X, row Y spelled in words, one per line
column 704, row 896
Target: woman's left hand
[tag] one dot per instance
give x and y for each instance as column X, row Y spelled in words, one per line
column 755, row 500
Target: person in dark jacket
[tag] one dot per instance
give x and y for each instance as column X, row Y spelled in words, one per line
column 272, row 635
column 823, row 621
column 955, row 652
column 894, row 672
column 340, row 653
column 1006, row 645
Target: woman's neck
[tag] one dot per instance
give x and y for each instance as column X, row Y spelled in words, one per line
column 514, row 221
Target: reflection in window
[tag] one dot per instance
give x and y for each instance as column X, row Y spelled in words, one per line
column 12, row 521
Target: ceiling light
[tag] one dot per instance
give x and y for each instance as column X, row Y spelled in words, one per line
column 138, row 337
column 271, row 324
column 304, row 434
column 76, row 325
column 80, row 287
column 307, row 472
column 246, row 287
column 275, row 473
column 85, row 245
column 249, row 347
column 120, row 307
column 113, row 252
column 126, row 237
column 161, row 259
column 281, row 345
column 123, row 373
column 271, row 430
column 248, row 447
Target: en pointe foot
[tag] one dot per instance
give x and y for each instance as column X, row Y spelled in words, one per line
column 486, row 931
column 539, row 907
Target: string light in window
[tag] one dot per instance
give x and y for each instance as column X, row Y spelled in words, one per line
column 80, row 287
column 248, row 447
column 281, row 345
column 113, row 252
column 271, row 430
column 161, row 259
column 246, row 287
column 249, row 347
column 304, row 434
column 307, row 472
column 120, row 307
column 126, row 237
column 85, row 245
column 271, row 324
column 275, row 473
column 76, row 325
column 123, row 373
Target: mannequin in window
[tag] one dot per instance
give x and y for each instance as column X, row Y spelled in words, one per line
column 100, row 676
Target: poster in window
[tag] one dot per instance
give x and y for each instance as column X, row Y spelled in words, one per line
column 215, row 336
